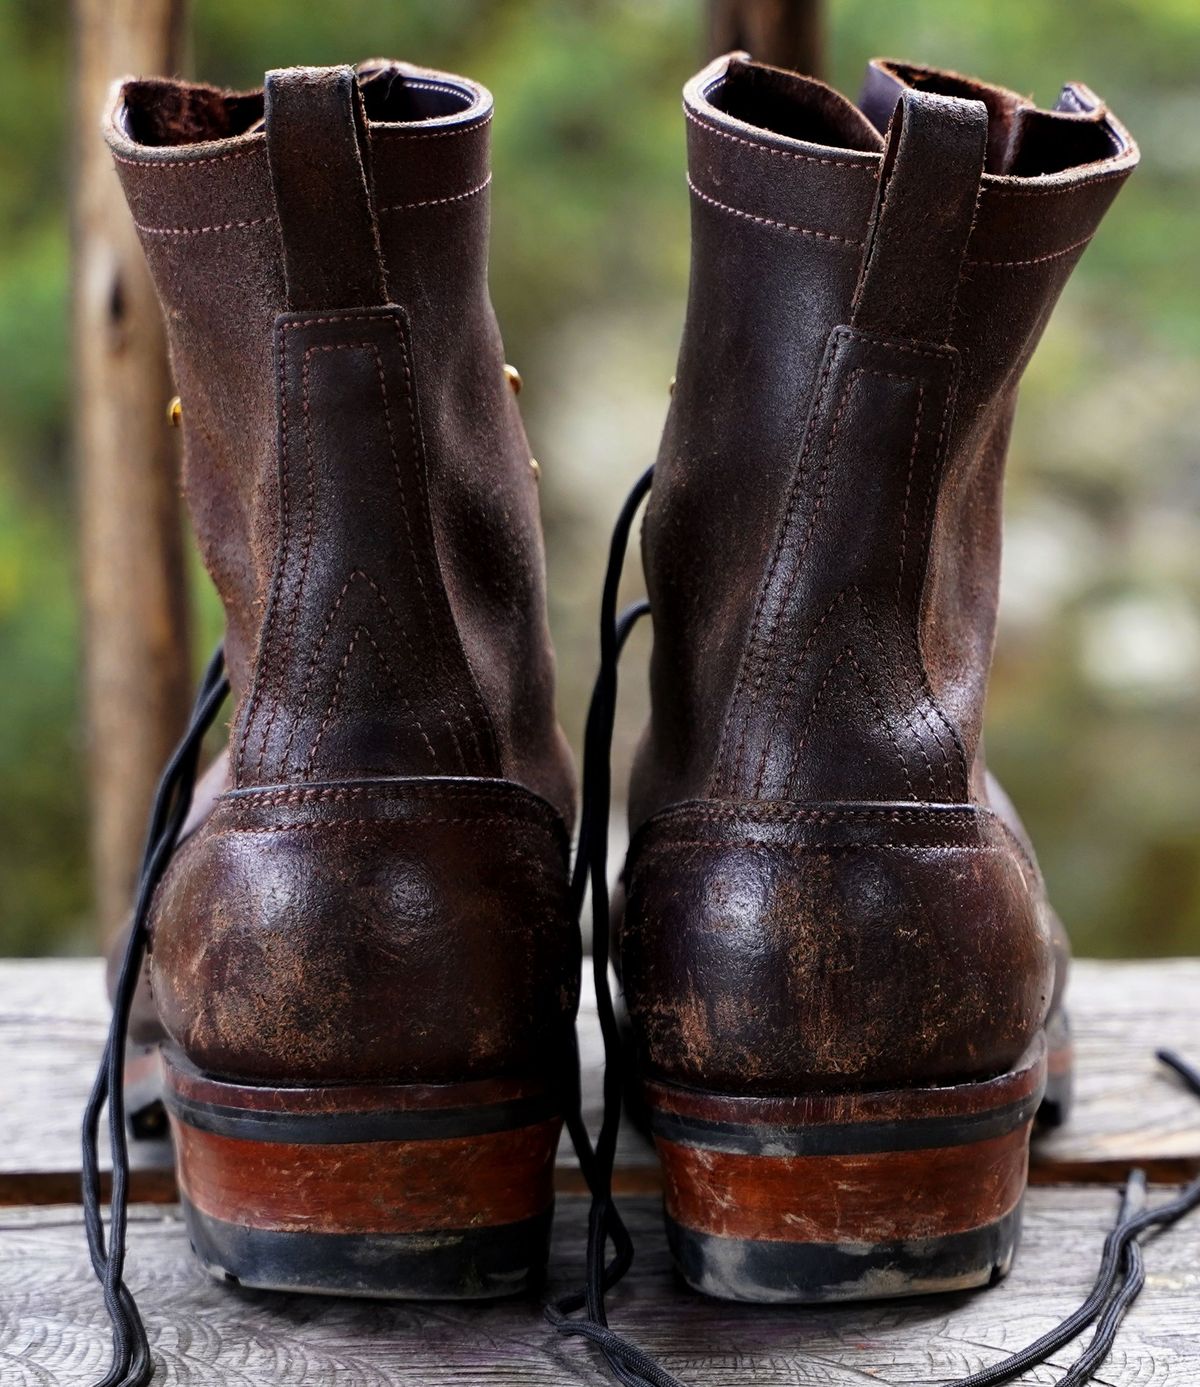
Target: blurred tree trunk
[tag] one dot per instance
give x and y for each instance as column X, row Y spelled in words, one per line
column 135, row 630
column 785, row 33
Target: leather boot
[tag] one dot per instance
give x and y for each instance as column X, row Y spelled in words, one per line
column 843, row 975
column 362, row 956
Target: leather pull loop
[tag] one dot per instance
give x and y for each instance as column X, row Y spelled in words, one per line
column 924, row 212
column 318, row 151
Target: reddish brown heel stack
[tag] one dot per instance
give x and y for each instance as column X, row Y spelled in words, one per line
column 405, row 1191
column 847, row 1196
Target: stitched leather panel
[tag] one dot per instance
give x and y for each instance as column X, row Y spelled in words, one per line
column 777, row 159
column 360, row 670
column 831, row 699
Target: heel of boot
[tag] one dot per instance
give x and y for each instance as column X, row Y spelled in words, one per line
column 406, row 1191
column 847, row 1196
column 1059, row 1097
column 145, row 1116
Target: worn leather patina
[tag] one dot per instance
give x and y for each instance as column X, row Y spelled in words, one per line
column 825, row 890
column 374, row 885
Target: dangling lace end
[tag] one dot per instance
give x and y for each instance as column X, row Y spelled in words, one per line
column 1187, row 1072
column 1133, row 1202
column 628, row 1363
column 132, row 1365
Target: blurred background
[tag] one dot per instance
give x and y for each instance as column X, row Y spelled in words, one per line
column 1092, row 720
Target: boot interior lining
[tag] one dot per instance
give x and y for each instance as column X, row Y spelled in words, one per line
column 162, row 113
column 800, row 108
column 1023, row 140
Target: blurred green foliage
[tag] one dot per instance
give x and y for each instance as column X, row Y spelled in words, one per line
column 1093, row 721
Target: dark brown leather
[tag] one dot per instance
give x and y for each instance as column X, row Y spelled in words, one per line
column 822, row 550
column 774, row 947
column 410, row 928
column 381, row 891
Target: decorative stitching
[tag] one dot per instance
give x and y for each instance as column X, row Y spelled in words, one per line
column 912, row 461
column 1035, row 260
column 355, row 573
column 392, row 134
column 427, row 84
column 438, row 201
column 281, row 562
column 400, row 487
column 186, row 165
column 952, row 325
column 268, row 796
column 783, row 811
column 352, row 317
column 1003, row 190
column 361, row 630
column 798, row 663
column 396, row 622
column 824, row 850
column 782, row 605
column 333, row 701
column 770, row 221
column 895, row 688
column 925, row 687
column 883, row 722
column 423, row 501
column 310, row 518
column 259, row 679
column 307, row 825
column 794, row 761
column 312, row 665
column 909, row 345
column 785, row 601
column 751, row 659
column 926, row 528
column 200, row 230
column 373, row 348
column 872, row 169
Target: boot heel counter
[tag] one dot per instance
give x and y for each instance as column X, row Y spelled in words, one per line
column 780, row 948
column 405, row 931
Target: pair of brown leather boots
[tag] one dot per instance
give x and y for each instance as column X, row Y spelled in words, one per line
column 842, row 977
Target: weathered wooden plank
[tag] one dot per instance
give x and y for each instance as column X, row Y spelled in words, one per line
column 1128, row 1107
column 137, row 676
column 52, row 1327
column 1130, row 1111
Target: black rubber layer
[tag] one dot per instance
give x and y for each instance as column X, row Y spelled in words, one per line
column 845, row 1138
column 466, row 1264
column 801, row 1273
column 336, row 1128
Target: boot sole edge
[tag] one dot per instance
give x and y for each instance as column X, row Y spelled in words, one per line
column 852, row 1196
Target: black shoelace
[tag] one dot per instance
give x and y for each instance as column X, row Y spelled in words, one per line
column 1121, row 1273
column 131, row 1364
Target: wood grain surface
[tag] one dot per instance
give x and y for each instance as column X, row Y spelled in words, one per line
column 52, row 1329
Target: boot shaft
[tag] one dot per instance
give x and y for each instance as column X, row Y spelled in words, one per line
column 355, row 465
column 856, row 328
